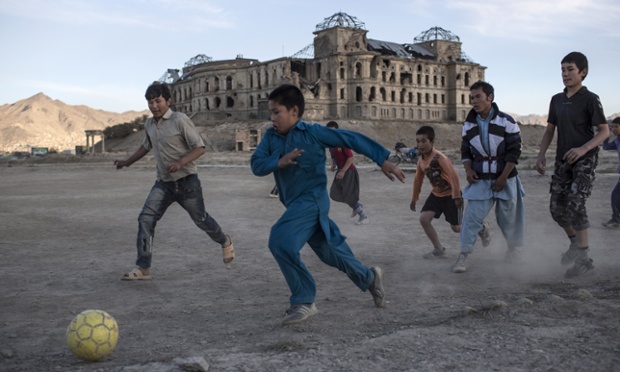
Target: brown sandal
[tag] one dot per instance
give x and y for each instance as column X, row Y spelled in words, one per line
column 228, row 252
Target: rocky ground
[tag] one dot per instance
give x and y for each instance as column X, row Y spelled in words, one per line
column 68, row 234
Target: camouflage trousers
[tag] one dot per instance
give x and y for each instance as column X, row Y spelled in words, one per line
column 571, row 185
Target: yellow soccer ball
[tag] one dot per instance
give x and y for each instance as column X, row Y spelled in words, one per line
column 92, row 335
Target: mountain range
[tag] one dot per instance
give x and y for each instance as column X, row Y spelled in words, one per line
column 40, row 121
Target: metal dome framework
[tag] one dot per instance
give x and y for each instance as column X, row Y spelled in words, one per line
column 305, row 53
column 199, row 59
column 340, row 19
column 436, row 33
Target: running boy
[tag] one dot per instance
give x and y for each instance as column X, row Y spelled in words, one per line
column 445, row 197
column 346, row 185
column 176, row 144
column 614, row 144
column 294, row 151
column 574, row 112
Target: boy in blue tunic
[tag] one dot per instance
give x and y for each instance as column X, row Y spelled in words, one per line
column 294, row 151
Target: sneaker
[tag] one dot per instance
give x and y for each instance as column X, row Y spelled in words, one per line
column 612, row 224
column 298, row 313
column 362, row 221
column 581, row 266
column 436, row 253
column 484, row 234
column 460, row 266
column 376, row 287
column 571, row 254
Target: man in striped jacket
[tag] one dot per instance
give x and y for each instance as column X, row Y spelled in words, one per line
column 490, row 151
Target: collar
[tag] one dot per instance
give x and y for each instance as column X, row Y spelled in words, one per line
column 166, row 116
column 301, row 125
column 490, row 116
column 582, row 90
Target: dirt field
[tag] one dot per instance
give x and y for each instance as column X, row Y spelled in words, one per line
column 67, row 234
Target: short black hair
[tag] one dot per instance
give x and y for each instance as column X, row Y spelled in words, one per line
column 428, row 131
column 486, row 88
column 332, row 124
column 616, row 120
column 289, row 96
column 579, row 59
column 157, row 89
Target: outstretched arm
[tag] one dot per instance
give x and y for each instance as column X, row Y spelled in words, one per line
column 139, row 154
column 392, row 171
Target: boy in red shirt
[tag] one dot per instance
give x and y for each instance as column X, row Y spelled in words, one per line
column 445, row 197
column 346, row 185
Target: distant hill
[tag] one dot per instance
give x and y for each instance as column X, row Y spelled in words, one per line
column 40, row 121
column 531, row 119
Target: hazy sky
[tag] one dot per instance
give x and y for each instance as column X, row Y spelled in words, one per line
column 104, row 53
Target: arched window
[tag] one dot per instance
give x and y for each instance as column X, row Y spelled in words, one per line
column 358, row 70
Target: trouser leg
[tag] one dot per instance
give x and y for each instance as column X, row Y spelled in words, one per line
column 158, row 200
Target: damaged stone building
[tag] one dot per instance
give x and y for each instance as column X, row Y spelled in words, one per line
column 343, row 74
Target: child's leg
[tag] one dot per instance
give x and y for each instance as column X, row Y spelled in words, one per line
column 338, row 254
column 189, row 196
column 426, row 219
column 287, row 238
column 561, row 182
column 157, row 202
column 511, row 217
column 581, row 189
column 473, row 218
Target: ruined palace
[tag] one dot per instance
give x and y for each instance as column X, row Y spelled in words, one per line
column 343, row 74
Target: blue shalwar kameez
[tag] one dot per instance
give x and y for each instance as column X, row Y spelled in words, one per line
column 303, row 191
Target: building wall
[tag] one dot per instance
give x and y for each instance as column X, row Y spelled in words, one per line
column 345, row 80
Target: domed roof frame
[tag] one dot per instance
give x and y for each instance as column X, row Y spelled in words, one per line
column 436, row 33
column 340, row 19
column 199, row 59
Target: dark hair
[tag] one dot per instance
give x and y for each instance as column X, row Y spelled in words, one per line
column 486, row 88
column 289, row 96
column 616, row 120
column 579, row 59
column 157, row 89
column 332, row 124
column 428, row 131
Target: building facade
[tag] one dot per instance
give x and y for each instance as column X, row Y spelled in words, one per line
column 343, row 75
